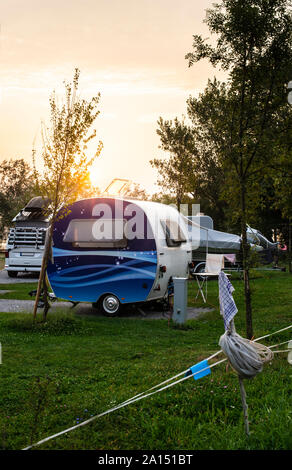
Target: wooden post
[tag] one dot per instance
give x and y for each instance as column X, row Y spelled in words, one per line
column 43, row 269
column 244, row 405
column 242, row 391
column 289, row 247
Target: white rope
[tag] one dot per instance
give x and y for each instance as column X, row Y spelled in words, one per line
column 279, row 344
column 120, row 406
column 145, row 394
column 208, row 359
column 172, row 378
column 275, row 332
column 282, row 350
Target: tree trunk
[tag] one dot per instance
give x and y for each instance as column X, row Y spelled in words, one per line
column 245, row 261
column 289, row 246
column 45, row 259
column 45, row 299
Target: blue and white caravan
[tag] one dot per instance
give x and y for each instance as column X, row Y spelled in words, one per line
column 111, row 251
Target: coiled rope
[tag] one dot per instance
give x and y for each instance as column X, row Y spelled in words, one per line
column 246, row 357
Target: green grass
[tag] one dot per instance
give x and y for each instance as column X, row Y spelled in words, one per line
column 18, row 291
column 2, row 260
column 55, row 374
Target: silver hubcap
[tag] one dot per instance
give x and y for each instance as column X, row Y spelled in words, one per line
column 110, row 304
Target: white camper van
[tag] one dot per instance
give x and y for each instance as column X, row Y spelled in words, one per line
column 113, row 251
column 26, row 239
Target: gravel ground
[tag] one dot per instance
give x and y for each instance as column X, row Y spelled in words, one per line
column 26, row 306
column 21, row 277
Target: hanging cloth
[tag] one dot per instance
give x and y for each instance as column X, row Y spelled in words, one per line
column 228, row 308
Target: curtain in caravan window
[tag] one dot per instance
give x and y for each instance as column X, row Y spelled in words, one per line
column 96, row 233
column 173, row 233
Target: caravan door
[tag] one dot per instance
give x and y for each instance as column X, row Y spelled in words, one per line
column 173, row 249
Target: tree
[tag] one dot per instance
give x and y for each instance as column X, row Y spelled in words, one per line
column 192, row 173
column 17, row 188
column 175, row 171
column 207, row 112
column 136, row 192
column 253, row 45
column 65, row 162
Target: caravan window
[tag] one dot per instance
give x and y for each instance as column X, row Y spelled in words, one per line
column 173, row 233
column 96, row 233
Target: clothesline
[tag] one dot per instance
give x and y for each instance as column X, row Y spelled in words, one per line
column 147, row 393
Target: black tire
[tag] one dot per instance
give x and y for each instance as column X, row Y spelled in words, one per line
column 109, row 305
column 12, row 273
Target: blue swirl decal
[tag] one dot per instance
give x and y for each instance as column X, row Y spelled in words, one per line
column 85, row 276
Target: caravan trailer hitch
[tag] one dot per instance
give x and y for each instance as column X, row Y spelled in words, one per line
column 52, row 298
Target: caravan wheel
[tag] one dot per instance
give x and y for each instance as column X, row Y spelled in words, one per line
column 110, row 305
column 12, row 273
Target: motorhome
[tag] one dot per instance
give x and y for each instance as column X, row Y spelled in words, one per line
column 114, row 251
column 25, row 243
column 205, row 240
column 255, row 236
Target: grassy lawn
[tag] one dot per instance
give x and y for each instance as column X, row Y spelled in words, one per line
column 2, row 260
column 18, row 291
column 57, row 374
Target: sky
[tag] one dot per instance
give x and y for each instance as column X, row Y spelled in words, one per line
column 132, row 52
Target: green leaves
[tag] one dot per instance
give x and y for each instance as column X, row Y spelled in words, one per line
column 16, row 188
column 66, row 162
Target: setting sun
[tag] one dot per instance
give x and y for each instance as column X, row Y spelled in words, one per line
column 136, row 85
column 94, row 176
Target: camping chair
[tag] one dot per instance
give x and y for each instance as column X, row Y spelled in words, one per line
column 214, row 264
